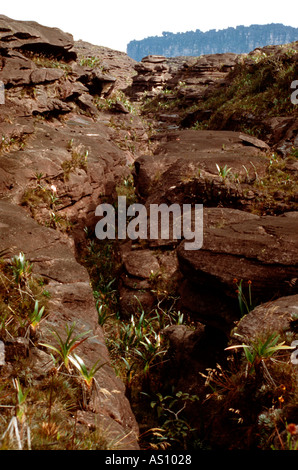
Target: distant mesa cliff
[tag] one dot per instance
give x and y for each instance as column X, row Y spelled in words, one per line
column 241, row 39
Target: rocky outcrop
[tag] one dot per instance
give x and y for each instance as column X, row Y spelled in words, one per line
column 274, row 317
column 152, row 75
column 196, row 73
column 238, row 244
column 58, row 152
column 47, row 72
column 58, row 160
column 68, row 145
column 118, row 64
column 188, row 167
column 192, row 74
column 29, row 36
column 239, row 247
column 276, row 125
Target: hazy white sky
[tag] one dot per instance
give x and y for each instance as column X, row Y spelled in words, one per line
column 116, row 22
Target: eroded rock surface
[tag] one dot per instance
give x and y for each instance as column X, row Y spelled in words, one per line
column 274, row 317
column 67, row 146
column 58, row 161
column 239, row 246
column 71, row 302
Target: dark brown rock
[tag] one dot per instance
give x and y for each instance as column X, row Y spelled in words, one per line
column 118, row 64
column 29, row 36
column 42, row 75
column 154, row 59
column 192, row 350
column 16, row 69
column 152, row 74
column 205, row 70
column 250, row 140
column 141, row 263
column 261, row 250
column 276, row 317
column 282, row 133
column 183, row 169
column 85, row 102
column 71, row 302
column 98, row 83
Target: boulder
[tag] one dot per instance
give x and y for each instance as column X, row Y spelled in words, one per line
column 154, row 59
column 282, row 133
column 279, row 316
column 205, row 70
column 141, row 263
column 152, row 74
column 192, row 350
column 250, row 140
column 29, row 36
column 86, row 103
column 44, row 75
column 97, row 82
column 238, row 247
column 184, row 168
column 16, row 69
column 118, row 64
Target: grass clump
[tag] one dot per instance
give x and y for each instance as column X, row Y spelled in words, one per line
column 107, row 104
column 43, row 202
column 258, row 87
column 253, row 395
column 7, row 144
column 92, row 62
column 44, row 416
column 78, row 160
column 40, row 403
column 277, row 189
column 22, row 303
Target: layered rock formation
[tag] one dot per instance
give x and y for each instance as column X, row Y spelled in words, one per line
column 237, row 243
column 157, row 72
column 69, row 141
column 77, row 157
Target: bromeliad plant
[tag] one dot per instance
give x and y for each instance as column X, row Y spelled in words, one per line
column 88, row 375
column 65, row 346
column 36, row 316
column 260, row 350
column 149, row 351
column 21, row 268
column 223, row 171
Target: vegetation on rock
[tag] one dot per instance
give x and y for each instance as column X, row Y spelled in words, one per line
column 100, row 339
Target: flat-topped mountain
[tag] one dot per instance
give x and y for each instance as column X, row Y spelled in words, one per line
column 241, row 39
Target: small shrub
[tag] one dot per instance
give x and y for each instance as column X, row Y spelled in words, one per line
column 79, row 159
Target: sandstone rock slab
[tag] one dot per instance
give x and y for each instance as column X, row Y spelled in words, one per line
column 239, row 246
column 71, row 302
